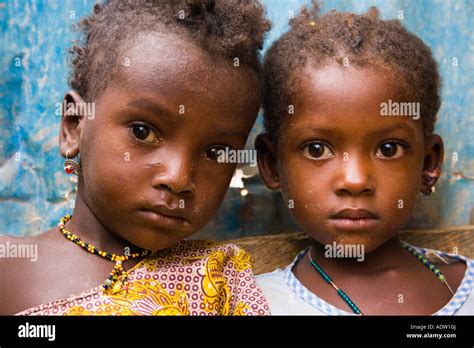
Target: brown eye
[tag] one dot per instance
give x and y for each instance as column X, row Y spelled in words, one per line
column 213, row 153
column 391, row 149
column 317, row 150
column 143, row 133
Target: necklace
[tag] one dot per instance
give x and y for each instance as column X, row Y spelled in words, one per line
column 328, row 280
column 351, row 303
column 118, row 279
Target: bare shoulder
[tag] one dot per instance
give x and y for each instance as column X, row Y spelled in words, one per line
column 14, row 250
column 19, row 261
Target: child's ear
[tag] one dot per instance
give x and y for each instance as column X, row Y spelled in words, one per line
column 434, row 153
column 267, row 161
column 71, row 125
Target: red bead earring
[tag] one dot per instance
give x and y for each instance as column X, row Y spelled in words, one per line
column 71, row 166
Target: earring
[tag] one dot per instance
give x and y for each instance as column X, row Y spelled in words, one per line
column 428, row 192
column 429, row 181
column 71, row 166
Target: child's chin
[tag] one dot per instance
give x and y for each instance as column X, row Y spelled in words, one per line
column 159, row 240
column 367, row 241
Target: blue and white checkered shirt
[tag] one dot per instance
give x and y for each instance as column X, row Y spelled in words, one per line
column 286, row 295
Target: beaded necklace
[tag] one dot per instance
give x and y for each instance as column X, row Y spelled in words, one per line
column 118, row 280
column 351, row 303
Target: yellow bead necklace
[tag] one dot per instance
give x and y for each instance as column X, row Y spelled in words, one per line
column 118, row 279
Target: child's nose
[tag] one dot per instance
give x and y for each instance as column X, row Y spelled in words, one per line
column 175, row 175
column 354, row 178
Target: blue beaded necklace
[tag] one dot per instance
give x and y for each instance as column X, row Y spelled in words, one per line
column 351, row 303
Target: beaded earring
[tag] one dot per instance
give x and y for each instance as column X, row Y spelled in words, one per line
column 71, row 166
column 428, row 192
column 430, row 181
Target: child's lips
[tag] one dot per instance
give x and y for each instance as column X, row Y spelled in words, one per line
column 354, row 224
column 354, row 220
column 164, row 217
column 354, row 213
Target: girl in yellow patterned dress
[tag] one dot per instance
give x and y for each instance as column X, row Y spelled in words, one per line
column 170, row 83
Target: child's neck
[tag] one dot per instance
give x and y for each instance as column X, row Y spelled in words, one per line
column 87, row 227
column 389, row 255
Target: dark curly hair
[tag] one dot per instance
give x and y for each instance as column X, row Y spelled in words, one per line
column 227, row 28
column 363, row 41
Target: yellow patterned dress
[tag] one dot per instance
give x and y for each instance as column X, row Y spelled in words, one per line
column 190, row 278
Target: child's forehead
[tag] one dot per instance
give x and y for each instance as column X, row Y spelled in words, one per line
column 158, row 60
column 337, row 86
column 352, row 126
column 181, row 78
column 153, row 56
column 348, row 101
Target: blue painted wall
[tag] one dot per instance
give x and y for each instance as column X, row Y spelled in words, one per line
column 34, row 39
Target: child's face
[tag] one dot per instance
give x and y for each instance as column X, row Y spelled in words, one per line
column 148, row 158
column 347, row 173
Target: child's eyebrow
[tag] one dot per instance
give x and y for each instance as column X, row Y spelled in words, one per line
column 152, row 106
column 401, row 126
column 231, row 133
column 305, row 129
column 337, row 132
column 316, row 129
column 157, row 108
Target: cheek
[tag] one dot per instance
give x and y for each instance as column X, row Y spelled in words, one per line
column 211, row 188
column 398, row 191
column 303, row 188
column 110, row 170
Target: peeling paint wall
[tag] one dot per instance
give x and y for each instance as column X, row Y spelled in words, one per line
column 34, row 39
